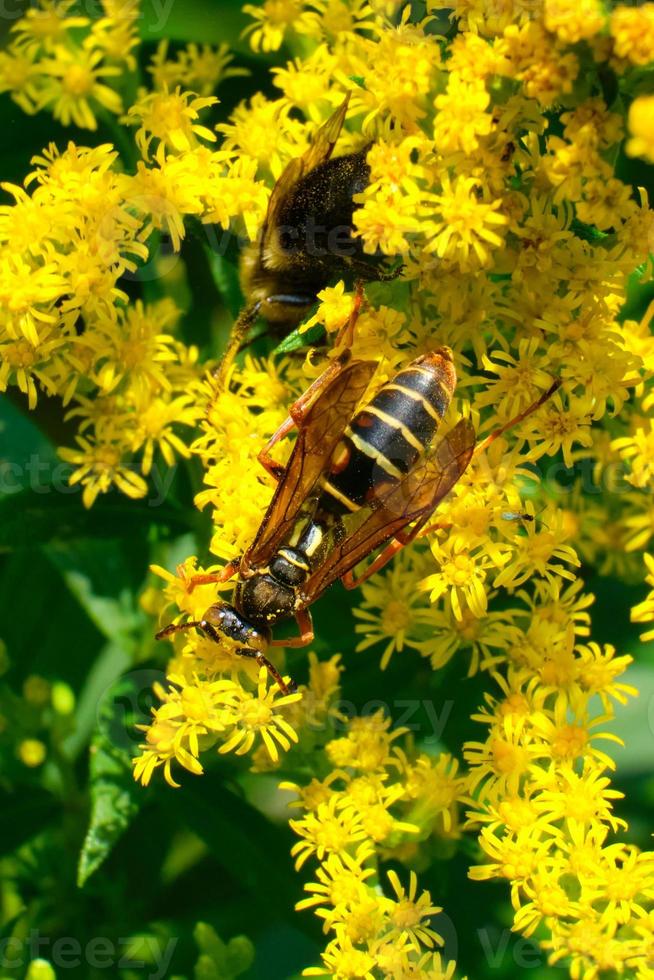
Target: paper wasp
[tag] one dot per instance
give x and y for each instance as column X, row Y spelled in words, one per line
column 355, row 482
column 307, row 239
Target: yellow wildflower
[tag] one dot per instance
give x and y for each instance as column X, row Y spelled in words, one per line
column 463, row 226
column 74, row 82
column 632, row 29
column 272, row 20
column 641, row 128
column 462, row 117
column 258, row 714
column 170, row 118
column 572, row 21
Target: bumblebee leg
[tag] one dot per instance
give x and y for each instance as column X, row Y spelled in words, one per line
column 480, row 447
column 272, row 670
column 239, row 333
column 369, row 274
column 345, row 336
column 224, row 575
column 305, row 623
column 297, row 413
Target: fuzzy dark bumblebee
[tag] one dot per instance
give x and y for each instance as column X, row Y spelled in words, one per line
column 307, row 239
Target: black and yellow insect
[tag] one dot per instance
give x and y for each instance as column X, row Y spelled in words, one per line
column 307, row 239
column 355, row 482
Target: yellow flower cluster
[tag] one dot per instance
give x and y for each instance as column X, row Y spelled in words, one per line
column 67, row 63
column 493, row 176
column 377, row 802
column 644, row 611
column 544, row 801
column 196, row 713
column 90, row 218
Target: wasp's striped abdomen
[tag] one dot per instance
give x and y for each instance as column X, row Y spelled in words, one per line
column 385, row 439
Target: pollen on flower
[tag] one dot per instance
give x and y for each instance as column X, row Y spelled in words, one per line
column 641, row 128
column 498, row 139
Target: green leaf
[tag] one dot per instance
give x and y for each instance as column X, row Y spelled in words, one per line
column 99, row 575
column 115, row 797
column 299, row 338
column 250, row 847
column 30, row 518
column 25, row 445
column 634, row 723
column 103, row 673
column 588, row 233
column 8, row 928
column 226, row 279
column 220, row 961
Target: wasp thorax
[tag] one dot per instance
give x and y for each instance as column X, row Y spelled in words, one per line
column 262, row 598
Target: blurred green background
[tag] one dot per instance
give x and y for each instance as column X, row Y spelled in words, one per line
column 160, row 861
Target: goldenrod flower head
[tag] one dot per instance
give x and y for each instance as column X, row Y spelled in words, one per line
column 641, row 128
column 74, row 84
column 199, row 68
column 462, row 115
column 632, row 30
column 46, row 25
column 461, row 226
column 196, row 712
column 493, row 183
column 272, row 20
column 170, row 118
column 263, row 131
column 574, row 21
column 306, row 82
column 255, row 715
column 367, row 744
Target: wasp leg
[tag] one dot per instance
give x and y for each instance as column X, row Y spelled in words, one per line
column 305, row 623
column 401, row 540
column 297, row 414
column 345, row 336
column 224, row 575
column 269, row 464
column 272, row 670
column 556, row 384
column 238, row 335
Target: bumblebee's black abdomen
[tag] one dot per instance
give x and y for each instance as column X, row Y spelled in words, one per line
column 316, row 220
column 385, row 439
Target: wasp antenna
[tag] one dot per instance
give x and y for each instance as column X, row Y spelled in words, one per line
column 556, row 384
column 176, row 628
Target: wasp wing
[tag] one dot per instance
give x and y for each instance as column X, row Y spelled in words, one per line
column 318, row 436
column 416, row 496
column 320, row 150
